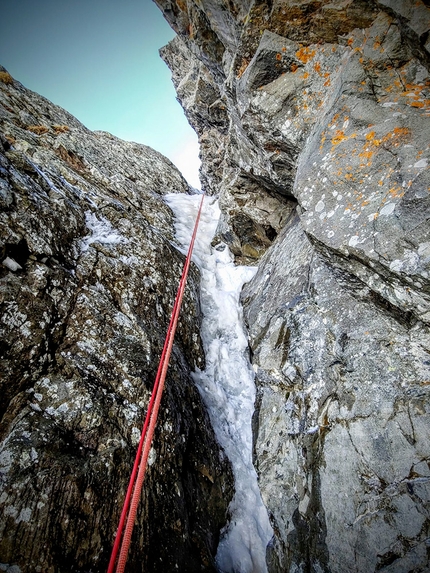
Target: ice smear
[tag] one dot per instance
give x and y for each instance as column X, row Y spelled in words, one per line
column 101, row 232
column 227, row 385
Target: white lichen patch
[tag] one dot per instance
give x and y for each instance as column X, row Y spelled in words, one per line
column 50, row 388
column 421, row 164
column 387, row 209
column 319, row 206
column 24, row 515
column 152, row 456
column 12, row 316
column 135, row 436
column 10, row 511
column 130, row 411
column 408, row 263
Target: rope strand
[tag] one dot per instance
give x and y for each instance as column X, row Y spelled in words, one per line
column 135, row 484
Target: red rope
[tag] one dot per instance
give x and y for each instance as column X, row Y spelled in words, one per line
column 135, row 484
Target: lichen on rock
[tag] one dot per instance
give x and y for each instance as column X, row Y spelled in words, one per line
column 313, row 121
column 88, row 277
column 315, row 137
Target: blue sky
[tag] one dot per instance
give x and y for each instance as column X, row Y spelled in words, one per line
column 99, row 60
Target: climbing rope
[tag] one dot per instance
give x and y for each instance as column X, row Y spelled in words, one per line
column 122, row 542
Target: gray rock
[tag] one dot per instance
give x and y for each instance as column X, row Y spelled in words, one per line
column 326, row 151
column 87, row 284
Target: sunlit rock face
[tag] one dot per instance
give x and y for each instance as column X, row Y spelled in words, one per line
column 88, row 278
column 313, row 120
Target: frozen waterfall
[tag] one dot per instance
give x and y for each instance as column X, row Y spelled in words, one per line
column 227, row 385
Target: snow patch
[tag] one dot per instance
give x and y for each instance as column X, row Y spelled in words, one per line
column 11, row 264
column 101, row 232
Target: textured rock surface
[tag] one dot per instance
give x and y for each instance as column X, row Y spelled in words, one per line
column 313, row 119
column 87, row 281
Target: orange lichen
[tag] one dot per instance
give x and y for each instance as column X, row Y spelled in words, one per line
column 294, row 67
column 279, row 57
column 334, row 120
column 61, row 128
column 305, row 75
column 397, row 133
column 242, row 68
column 38, row 129
column 284, row 49
column 305, row 54
column 317, row 67
column 414, row 95
column 396, row 191
column 366, row 154
column 394, row 138
column 338, row 137
column 6, row 78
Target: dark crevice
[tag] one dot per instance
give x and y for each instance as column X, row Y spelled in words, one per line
column 19, row 252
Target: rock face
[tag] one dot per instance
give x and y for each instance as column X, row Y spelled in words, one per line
column 313, row 120
column 87, row 280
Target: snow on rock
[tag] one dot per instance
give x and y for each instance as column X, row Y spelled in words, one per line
column 101, row 232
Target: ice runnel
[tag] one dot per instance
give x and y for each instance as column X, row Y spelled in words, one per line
column 227, row 384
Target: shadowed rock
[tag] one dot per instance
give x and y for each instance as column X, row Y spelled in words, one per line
column 88, row 279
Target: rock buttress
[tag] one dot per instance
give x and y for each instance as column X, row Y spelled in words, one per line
column 88, row 279
column 313, row 120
